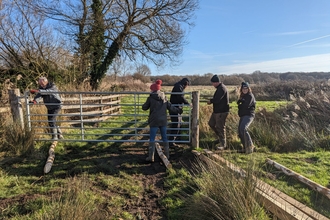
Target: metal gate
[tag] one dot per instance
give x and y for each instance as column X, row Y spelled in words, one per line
column 103, row 117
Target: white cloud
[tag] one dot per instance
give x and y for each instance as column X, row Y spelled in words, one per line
column 317, row 63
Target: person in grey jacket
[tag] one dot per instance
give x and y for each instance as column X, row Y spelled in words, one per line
column 246, row 112
column 158, row 106
column 48, row 92
column 220, row 112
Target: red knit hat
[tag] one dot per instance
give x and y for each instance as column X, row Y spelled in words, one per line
column 156, row 86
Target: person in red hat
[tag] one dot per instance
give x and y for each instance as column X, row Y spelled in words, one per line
column 158, row 105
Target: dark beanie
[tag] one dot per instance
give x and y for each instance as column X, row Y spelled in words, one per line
column 245, row 84
column 215, row 78
column 185, row 81
column 156, row 86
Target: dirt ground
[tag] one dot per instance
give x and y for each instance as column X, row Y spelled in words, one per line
column 150, row 174
column 149, row 206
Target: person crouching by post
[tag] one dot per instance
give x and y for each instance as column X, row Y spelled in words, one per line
column 220, row 112
column 52, row 100
column 246, row 107
column 158, row 106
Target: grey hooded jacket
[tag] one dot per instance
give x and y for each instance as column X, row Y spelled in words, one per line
column 158, row 104
column 50, row 96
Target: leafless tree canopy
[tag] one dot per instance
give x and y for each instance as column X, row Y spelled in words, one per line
column 153, row 30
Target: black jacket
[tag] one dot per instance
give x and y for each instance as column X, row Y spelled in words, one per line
column 220, row 99
column 52, row 100
column 246, row 105
column 158, row 104
column 178, row 98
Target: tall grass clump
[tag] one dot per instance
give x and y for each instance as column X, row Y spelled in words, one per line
column 302, row 125
column 16, row 140
column 223, row 194
column 74, row 200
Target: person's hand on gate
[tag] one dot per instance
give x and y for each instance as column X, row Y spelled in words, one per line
column 33, row 102
column 32, row 91
column 180, row 110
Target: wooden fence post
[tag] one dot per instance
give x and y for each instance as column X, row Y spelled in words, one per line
column 195, row 120
column 16, row 106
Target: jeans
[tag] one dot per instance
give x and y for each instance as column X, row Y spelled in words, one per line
column 244, row 123
column 153, row 132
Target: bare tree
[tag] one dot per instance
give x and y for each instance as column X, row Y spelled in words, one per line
column 143, row 69
column 138, row 29
column 27, row 45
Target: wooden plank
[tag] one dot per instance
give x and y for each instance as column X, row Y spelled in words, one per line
column 163, row 157
column 90, row 105
column 313, row 185
column 92, row 113
column 90, row 98
column 277, row 202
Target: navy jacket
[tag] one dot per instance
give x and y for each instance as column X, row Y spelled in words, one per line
column 246, row 105
column 220, row 99
column 178, row 98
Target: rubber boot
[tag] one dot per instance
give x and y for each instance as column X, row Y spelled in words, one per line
column 54, row 134
column 151, row 152
column 59, row 133
column 242, row 150
column 249, row 149
column 167, row 150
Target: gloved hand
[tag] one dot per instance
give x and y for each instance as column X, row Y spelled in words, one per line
column 240, row 101
column 180, row 110
column 32, row 91
column 33, row 102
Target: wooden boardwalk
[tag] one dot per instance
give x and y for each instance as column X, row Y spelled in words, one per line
column 278, row 203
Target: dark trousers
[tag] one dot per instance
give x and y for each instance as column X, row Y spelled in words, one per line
column 176, row 120
column 217, row 123
column 52, row 114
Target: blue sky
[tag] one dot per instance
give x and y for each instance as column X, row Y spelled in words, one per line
column 243, row 36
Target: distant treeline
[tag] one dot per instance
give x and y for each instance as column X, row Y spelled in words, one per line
column 256, row 77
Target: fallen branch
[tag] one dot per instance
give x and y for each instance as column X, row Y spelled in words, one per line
column 51, row 158
column 163, row 157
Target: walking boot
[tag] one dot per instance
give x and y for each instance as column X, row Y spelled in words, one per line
column 222, row 144
column 59, row 133
column 249, row 149
column 151, row 152
column 167, row 150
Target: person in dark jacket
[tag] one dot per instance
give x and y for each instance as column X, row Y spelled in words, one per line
column 177, row 99
column 246, row 107
column 48, row 92
column 158, row 106
column 220, row 112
